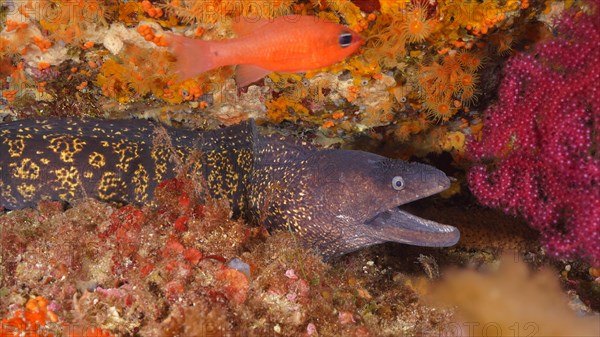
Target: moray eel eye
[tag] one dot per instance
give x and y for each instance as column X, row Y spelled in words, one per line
column 345, row 40
column 398, row 183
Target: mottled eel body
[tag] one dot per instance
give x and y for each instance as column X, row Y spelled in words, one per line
column 336, row 200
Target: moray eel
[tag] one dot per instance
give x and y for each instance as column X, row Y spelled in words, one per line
column 337, row 201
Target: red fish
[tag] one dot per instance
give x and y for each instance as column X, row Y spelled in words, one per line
column 287, row 44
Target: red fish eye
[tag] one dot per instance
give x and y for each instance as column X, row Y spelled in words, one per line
column 345, row 39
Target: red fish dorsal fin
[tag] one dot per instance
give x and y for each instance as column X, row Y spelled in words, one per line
column 246, row 25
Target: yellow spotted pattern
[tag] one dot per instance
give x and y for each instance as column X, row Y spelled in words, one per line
column 26, row 169
column 15, row 146
column 66, row 146
column 117, row 160
column 96, row 159
column 110, row 186
column 140, row 182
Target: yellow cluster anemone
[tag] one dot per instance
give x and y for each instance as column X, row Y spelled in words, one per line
column 214, row 11
column 476, row 17
column 397, row 28
column 416, row 26
column 283, row 108
column 68, row 20
column 448, row 84
column 139, row 72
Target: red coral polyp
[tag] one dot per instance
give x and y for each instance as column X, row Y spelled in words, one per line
column 538, row 154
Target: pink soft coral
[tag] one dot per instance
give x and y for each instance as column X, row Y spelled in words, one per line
column 539, row 152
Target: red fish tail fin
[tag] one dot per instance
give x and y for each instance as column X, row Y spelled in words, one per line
column 194, row 57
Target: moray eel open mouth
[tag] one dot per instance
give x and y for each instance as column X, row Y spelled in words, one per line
column 352, row 198
column 400, row 226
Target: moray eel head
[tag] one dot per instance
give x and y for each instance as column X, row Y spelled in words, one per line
column 355, row 197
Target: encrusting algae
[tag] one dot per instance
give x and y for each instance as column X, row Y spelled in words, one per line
column 149, row 272
column 37, row 320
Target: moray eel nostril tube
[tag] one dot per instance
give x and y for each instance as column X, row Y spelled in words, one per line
column 337, row 201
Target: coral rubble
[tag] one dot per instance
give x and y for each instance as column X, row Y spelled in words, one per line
column 185, row 268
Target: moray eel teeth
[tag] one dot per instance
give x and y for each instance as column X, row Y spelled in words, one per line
column 336, row 201
column 400, row 226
